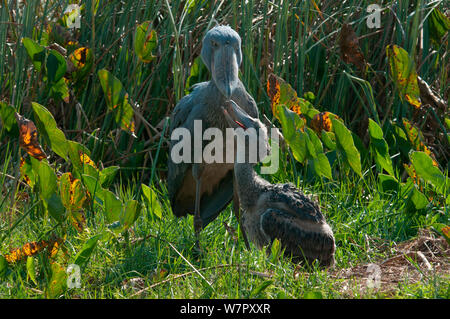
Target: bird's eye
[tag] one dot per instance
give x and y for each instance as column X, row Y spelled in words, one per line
column 214, row 44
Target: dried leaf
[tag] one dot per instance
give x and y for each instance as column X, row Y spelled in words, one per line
column 350, row 50
column 28, row 138
column 322, row 121
column 28, row 249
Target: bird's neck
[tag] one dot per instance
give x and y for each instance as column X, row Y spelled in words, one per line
column 215, row 95
column 249, row 184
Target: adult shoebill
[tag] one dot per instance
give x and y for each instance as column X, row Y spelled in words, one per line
column 278, row 211
column 205, row 189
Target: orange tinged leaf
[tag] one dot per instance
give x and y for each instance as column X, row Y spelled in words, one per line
column 80, row 56
column 281, row 93
column 28, row 138
column 416, row 138
column 322, row 121
column 21, row 169
column 446, row 231
column 403, row 72
column 85, row 159
column 28, row 249
column 273, row 89
column 78, row 220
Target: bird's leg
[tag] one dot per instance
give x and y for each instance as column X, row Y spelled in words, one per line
column 236, row 210
column 197, row 218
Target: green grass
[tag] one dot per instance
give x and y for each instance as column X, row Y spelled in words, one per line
column 155, row 247
column 368, row 224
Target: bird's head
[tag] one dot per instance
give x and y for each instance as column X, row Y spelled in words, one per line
column 238, row 118
column 221, row 53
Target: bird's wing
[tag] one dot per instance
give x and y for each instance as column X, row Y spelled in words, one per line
column 176, row 172
column 299, row 205
column 211, row 204
column 299, row 239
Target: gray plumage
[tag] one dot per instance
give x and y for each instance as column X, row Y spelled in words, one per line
column 221, row 53
column 280, row 211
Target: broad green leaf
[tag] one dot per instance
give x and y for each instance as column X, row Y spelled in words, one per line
column 322, row 166
column 438, row 25
column 329, row 140
column 130, row 213
column 145, row 41
column 53, row 136
column 152, row 200
column 74, row 150
column 346, row 146
column 113, row 207
column 423, row 164
column 310, row 147
column 107, row 175
column 60, row 91
column 94, row 188
column 35, row 51
column 401, row 139
column 58, row 281
column 56, row 208
column 56, row 67
column 91, row 171
column 290, row 122
column 403, row 72
column 320, row 161
column 387, row 183
column 31, row 272
column 292, row 126
column 117, row 100
column 416, row 201
column 380, row 147
column 47, row 178
column 315, row 141
column 82, row 257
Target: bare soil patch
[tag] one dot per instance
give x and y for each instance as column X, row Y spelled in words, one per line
column 412, row 261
